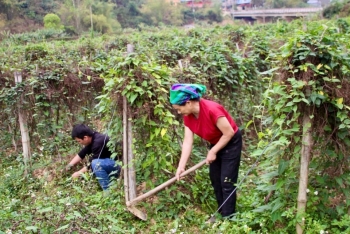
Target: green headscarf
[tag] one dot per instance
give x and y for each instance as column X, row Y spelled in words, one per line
column 181, row 93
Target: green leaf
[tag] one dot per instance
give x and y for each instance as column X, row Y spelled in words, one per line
column 32, row 228
column 94, row 230
column 48, row 209
column 162, row 133
column 282, row 166
column 77, row 214
column 263, row 208
column 133, row 97
column 278, row 203
column 339, row 181
column 276, row 216
column 63, row 227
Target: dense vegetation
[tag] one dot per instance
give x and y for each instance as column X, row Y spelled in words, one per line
column 78, row 16
column 270, row 77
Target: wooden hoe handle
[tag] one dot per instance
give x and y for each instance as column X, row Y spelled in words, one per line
column 164, row 185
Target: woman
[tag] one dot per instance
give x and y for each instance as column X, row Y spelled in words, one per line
column 213, row 123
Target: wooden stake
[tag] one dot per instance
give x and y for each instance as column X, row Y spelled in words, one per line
column 304, row 170
column 131, row 166
column 24, row 128
column 125, row 150
column 128, row 157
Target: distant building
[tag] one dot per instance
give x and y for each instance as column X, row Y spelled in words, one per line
column 319, row 3
column 196, row 4
column 226, row 4
column 315, row 3
column 244, row 3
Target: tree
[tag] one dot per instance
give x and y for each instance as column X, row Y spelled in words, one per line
column 70, row 15
column 284, row 3
column 84, row 15
column 258, row 3
column 7, row 7
column 37, row 9
column 106, row 9
column 128, row 13
column 52, row 21
column 160, row 11
column 336, row 8
column 100, row 23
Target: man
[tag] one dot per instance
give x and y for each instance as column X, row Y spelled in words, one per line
column 101, row 163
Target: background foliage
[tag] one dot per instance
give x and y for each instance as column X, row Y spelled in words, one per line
column 107, row 16
column 110, row 16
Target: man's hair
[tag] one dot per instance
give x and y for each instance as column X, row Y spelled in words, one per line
column 81, row 130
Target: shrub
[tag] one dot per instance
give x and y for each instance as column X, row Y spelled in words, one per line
column 52, row 21
column 33, row 53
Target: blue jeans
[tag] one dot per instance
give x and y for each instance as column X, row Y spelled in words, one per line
column 105, row 169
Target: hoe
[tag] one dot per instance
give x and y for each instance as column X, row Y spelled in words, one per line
column 131, row 204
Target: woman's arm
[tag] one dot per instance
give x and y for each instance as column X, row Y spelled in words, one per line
column 227, row 134
column 186, row 152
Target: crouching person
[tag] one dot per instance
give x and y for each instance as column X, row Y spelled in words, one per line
column 101, row 163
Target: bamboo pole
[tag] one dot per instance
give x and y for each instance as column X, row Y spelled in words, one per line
column 131, row 166
column 125, row 150
column 304, row 170
column 24, row 128
column 128, row 157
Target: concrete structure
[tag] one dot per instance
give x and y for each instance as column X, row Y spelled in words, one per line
column 270, row 15
column 319, row 3
column 314, row 3
column 243, row 3
column 196, row 4
column 227, row 4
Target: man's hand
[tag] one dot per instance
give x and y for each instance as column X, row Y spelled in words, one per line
column 77, row 174
column 211, row 157
column 179, row 171
column 66, row 169
column 69, row 166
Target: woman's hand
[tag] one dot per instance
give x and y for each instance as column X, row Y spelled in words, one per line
column 211, row 157
column 179, row 171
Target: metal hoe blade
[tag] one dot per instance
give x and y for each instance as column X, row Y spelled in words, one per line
column 138, row 213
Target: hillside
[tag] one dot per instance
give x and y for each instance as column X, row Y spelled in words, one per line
column 106, row 17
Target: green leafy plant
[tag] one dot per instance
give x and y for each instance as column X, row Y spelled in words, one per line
column 52, row 21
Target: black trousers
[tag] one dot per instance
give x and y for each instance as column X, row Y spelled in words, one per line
column 223, row 174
